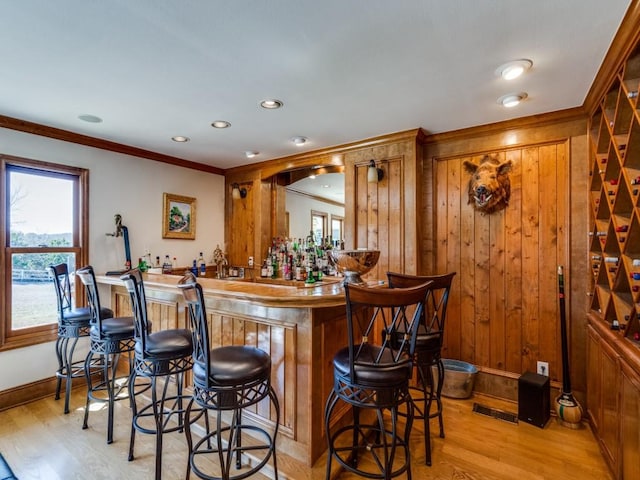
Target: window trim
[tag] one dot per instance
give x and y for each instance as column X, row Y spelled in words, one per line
column 45, row 333
column 340, row 219
column 324, row 216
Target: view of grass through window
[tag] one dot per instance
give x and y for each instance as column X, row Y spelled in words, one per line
column 41, row 220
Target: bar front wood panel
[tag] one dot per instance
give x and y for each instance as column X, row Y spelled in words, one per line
column 503, row 312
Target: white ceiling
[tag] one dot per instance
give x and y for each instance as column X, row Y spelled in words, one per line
column 346, row 70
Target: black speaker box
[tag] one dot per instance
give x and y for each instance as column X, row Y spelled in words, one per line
column 534, row 403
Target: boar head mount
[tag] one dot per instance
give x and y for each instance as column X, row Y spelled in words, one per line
column 489, row 185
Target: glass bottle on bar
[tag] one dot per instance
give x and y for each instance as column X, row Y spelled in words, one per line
column 166, row 266
column 202, row 266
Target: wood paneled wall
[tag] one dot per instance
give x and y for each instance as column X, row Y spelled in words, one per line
column 384, row 213
column 503, row 312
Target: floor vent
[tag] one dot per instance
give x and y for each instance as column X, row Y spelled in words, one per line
column 495, row 413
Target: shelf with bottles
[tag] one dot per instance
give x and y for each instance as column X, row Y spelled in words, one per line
column 611, row 189
column 623, row 307
column 632, row 266
column 599, row 236
column 620, row 144
column 632, row 332
column 632, row 178
column 621, row 227
column 596, row 263
column 612, row 267
column 609, row 315
column 602, row 279
column 631, row 77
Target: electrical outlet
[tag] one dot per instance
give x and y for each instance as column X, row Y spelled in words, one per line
column 543, row 368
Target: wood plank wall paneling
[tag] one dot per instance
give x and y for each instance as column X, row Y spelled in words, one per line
column 513, row 267
column 503, row 312
column 241, row 225
column 380, row 221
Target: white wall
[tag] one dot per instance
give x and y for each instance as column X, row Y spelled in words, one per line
column 132, row 187
column 299, row 208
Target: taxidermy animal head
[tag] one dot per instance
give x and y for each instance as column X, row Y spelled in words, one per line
column 489, row 186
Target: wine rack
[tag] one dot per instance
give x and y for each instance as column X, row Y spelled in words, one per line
column 614, row 135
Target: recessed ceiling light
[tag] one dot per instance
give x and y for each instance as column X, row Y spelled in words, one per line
column 271, row 103
column 220, row 124
column 299, row 141
column 514, row 69
column 250, row 154
column 512, row 99
column 180, row 138
column 90, row 118
column 312, row 177
column 326, row 186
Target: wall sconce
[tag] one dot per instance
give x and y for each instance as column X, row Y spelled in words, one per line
column 237, row 193
column 374, row 174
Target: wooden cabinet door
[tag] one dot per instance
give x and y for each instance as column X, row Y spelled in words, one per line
column 610, row 412
column 594, row 385
column 630, row 423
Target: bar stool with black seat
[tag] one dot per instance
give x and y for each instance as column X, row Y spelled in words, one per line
column 166, row 355
column 110, row 337
column 372, row 375
column 228, row 380
column 73, row 323
column 428, row 350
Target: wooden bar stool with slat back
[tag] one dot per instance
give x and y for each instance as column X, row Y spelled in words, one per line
column 165, row 354
column 73, row 323
column 373, row 376
column 428, row 348
column 228, row 380
column 110, row 337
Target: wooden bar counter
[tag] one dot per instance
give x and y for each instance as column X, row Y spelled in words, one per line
column 300, row 326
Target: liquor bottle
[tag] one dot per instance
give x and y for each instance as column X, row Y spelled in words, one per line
column 194, row 267
column 157, row 265
column 264, row 270
column 166, row 266
column 270, row 271
column 274, row 266
column 142, row 265
column 298, row 268
column 203, row 265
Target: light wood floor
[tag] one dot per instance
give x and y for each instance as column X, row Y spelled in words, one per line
column 40, row 442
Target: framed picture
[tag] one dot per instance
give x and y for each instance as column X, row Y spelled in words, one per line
column 179, row 217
